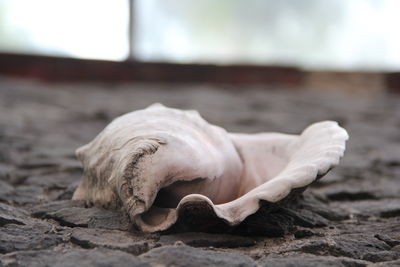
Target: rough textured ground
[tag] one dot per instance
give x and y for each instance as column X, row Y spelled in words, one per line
column 351, row 217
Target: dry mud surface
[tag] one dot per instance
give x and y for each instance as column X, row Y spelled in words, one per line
column 351, row 217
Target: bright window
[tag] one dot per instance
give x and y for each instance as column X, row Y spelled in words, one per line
column 95, row 29
column 332, row 34
column 311, row 34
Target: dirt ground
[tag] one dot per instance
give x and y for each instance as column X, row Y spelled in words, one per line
column 351, row 217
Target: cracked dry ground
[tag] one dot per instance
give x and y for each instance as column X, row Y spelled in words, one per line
column 351, row 217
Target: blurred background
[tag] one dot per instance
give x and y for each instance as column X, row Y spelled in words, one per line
column 339, row 34
column 349, row 45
